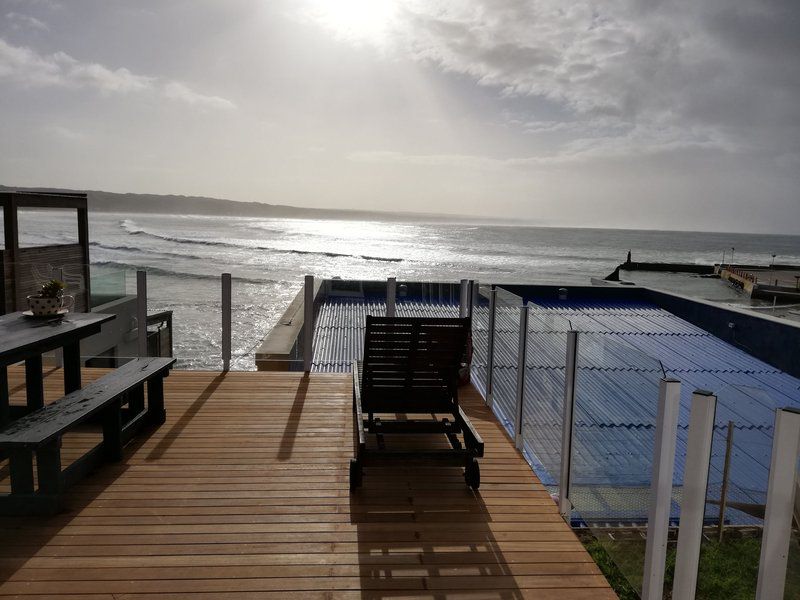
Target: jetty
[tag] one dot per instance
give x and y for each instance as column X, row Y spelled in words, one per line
column 776, row 282
column 779, row 283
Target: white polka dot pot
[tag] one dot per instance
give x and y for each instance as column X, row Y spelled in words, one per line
column 44, row 306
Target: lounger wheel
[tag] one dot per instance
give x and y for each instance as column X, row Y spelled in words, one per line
column 355, row 474
column 472, row 474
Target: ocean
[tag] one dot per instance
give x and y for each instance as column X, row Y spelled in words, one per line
column 185, row 255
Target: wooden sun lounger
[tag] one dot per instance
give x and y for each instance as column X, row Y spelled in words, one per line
column 411, row 367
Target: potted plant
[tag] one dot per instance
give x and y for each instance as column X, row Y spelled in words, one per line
column 48, row 300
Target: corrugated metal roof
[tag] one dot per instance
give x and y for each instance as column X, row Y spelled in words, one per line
column 340, row 324
column 617, row 394
column 624, row 350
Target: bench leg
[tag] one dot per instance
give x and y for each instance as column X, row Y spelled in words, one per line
column 3, row 396
column 48, row 465
column 155, row 401
column 21, row 468
column 136, row 400
column 112, row 432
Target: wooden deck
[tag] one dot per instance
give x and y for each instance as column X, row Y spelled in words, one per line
column 243, row 493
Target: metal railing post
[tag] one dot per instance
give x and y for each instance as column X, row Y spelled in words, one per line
column 463, row 298
column 141, row 312
column 522, row 348
column 226, row 321
column 474, row 297
column 391, row 295
column 570, row 379
column 308, row 322
column 655, row 554
column 693, row 503
column 780, row 505
column 490, row 346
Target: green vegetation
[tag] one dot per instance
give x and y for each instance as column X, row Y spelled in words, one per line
column 52, row 289
column 728, row 570
column 612, row 572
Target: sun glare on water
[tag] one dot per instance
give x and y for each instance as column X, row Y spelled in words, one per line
column 356, row 20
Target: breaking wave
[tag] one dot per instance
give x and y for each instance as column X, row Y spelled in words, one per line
column 134, row 229
column 135, row 249
column 176, row 274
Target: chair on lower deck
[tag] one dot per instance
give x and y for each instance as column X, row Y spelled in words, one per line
column 411, row 367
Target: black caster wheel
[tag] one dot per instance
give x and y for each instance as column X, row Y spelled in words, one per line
column 355, row 474
column 472, row 474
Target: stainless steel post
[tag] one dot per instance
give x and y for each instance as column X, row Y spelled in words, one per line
column 490, row 346
column 308, row 323
column 463, row 299
column 141, row 311
column 391, row 295
column 226, row 321
column 523, row 344
column 570, row 378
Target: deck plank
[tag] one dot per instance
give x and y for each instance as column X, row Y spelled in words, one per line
column 243, row 493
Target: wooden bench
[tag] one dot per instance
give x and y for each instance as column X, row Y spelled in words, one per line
column 41, row 432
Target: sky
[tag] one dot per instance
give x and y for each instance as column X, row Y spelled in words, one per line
column 641, row 114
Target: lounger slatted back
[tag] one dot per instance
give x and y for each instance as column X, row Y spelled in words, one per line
column 411, row 366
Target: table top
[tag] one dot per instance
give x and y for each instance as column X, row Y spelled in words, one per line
column 22, row 336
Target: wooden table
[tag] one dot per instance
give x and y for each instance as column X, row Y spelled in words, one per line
column 25, row 338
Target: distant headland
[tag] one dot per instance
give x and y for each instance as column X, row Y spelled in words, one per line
column 100, row 201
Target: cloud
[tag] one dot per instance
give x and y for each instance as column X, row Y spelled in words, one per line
column 637, row 142
column 92, row 75
column 26, row 68
column 19, row 21
column 428, row 160
column 726, row 67
column 178, row 91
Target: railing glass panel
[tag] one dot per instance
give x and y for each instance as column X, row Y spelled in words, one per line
column 742, row 486
column 506, row 351
column 480, row 337
column 616, row 407
column 108, row 284
column 543, row 403
column 792, row 584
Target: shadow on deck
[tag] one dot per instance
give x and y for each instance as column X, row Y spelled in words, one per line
column 243, row 493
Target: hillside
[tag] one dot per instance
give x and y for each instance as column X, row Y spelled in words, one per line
column 100, row 201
